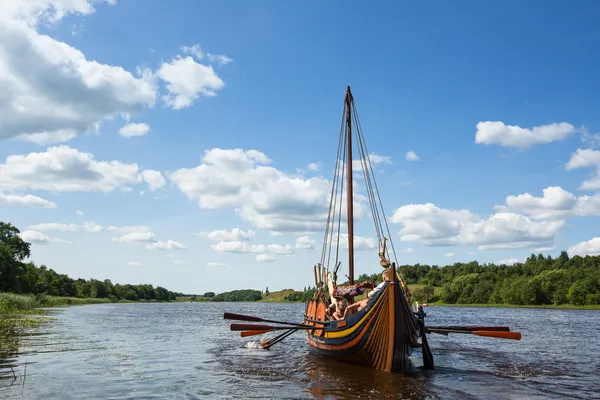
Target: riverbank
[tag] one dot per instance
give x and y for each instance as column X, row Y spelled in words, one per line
column 11, row 303
column 541, row 306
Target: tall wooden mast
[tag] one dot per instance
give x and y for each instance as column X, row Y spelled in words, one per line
column 350, row 198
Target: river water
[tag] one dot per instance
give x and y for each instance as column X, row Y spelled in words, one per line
column 186, row 351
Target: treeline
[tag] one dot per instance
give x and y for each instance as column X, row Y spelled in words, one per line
column 238, row 295
column 26, row 278
column 539, row 280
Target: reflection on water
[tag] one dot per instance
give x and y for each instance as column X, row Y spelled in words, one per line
column 186, row 350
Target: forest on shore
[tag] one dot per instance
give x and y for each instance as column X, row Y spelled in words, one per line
column 539, row 281
column 21, row 278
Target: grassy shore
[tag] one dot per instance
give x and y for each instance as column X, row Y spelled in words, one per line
column 541, row 306
column 11, row 303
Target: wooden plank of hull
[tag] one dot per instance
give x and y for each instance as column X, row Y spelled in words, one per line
column 380, row 336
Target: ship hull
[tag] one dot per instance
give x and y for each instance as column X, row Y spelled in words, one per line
column 382, row 335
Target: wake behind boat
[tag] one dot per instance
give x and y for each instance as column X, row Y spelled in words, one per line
column 382, row 329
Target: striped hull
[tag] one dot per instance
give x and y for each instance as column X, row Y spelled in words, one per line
column 381, row 335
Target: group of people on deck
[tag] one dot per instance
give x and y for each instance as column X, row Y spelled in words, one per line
column 340, row 309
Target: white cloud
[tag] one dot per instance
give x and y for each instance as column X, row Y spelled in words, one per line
column 265, row 196
column 265, row 258
column 133, row 263
column 584, row 159
column 134, row 130
column 374, row 158
column 194, row 50
column 53, row 226
column 168, row 245
column 412, row 156
column 235, row 234
column 496, row 132
column 154, row 179
column 40, row 238
column 79, row 212
column 543, row 249
column 243, row 247
column 305, row 242
column 510, row 261
column 312, row 167
column 556, row 203
column 64, row 169
column 588, row 248
column 91, row 226
column 449, row 255
column 180, row 262
column 216, row 264
column 136, row 237
column 186, row 80
column 472, row 253
column 25, row 200
column 434, row 226
column 50, row 91
column 220, row 59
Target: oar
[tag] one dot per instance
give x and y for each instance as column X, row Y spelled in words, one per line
column 240, row 317
column 252, row 333
column 496, row 334
column 249, row 327
column 267, row 344
column 471, row 328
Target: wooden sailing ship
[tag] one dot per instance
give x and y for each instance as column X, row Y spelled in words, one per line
column 383, row 329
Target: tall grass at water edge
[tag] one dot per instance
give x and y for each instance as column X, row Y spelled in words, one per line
column 27, row 303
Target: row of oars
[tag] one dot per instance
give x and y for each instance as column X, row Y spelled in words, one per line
column 251, row 329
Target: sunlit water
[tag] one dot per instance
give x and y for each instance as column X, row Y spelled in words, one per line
column 186, row 351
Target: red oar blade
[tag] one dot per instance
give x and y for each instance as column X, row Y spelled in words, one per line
column 250, row 327
column 471, row 328
column 240, row 317
column 254, row 332
column 500, row 335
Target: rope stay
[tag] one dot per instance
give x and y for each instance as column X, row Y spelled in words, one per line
column 336, row 200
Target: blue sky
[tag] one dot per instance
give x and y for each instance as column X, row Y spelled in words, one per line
column 176, row 128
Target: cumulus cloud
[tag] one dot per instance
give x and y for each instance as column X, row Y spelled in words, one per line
column 154, row 179
column 585, row 159
column 168, row 245
column 187, row 80
column 243, row 247
column 555, row 203
column 65, row 169
column 92, row 226
column 263, row 195
column 134, row 130
column 305, row 242
column 50, row 91
column 434, row 226
column 496, row 132
column 587, row 248
column 412, row 156
column 235, row 234
column 25, row 200
column 79, row 213
column 265, row 258
column 40, row 238
column 133, row 263
column 509, row 261
column 374, row 158
column 220, row 59
column 53, row 226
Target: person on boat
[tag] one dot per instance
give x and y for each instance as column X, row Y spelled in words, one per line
column 359, row 305
column 340, row 308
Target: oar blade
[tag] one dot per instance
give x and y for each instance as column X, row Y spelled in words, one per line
column 250, row 327
column 499, row 334
column 240, row 317
column 254, row 332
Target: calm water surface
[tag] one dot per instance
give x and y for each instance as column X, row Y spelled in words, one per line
column 186, row 351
